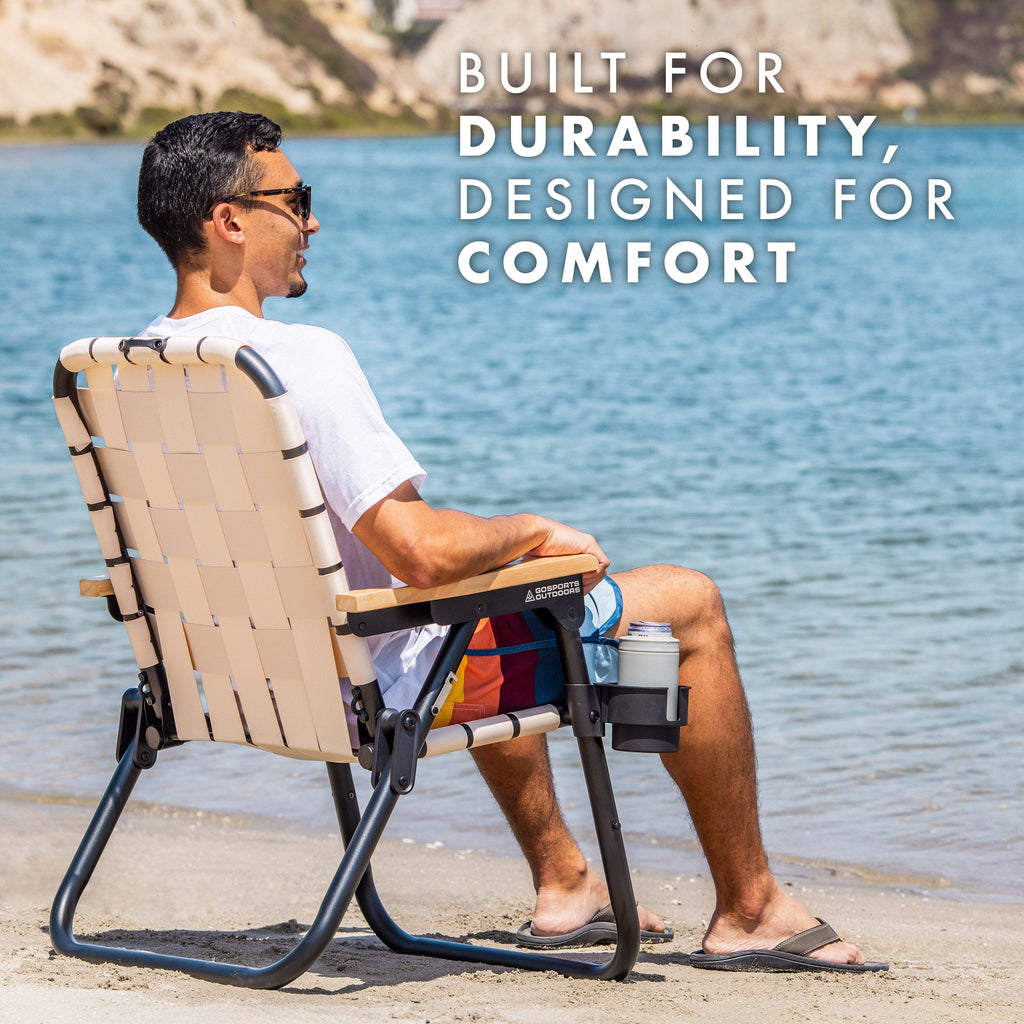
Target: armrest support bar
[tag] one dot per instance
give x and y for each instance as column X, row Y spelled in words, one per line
column 101, row 586
column 96, row 586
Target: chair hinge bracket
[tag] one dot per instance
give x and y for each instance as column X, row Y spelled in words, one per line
column 146, row 724
column 139, row 728
column 396, row 745
column 366, row 703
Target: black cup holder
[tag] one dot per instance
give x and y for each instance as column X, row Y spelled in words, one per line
column 638, row 720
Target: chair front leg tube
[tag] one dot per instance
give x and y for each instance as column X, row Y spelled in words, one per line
column 299, row 959
column 579, row 690
column 97, row 835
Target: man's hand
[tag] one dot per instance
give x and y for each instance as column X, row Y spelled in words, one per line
column 564, row 540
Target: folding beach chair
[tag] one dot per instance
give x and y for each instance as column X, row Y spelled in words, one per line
column 223, row 566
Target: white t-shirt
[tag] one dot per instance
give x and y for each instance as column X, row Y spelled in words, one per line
column 358, row 458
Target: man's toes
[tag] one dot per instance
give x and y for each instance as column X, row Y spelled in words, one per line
column 839, row 953
column 650, row 922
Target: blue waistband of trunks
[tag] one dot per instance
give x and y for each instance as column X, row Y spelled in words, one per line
column 602, row 608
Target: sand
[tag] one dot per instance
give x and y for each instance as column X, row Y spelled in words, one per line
column 221, row 887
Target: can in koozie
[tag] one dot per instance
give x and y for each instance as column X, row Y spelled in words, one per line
column 649, row 656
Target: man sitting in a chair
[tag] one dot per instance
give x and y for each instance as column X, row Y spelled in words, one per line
column 232, row 215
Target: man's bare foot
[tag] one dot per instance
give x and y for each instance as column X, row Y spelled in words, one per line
column 563, row 908
column 781, row 918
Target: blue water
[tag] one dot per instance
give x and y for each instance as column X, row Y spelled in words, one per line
column 842, row 453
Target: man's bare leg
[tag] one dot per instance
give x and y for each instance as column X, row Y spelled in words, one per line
column 714, row 770
column 518, row 774
column 715, row 767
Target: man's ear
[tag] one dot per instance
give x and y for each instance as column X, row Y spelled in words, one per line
column 225, row 225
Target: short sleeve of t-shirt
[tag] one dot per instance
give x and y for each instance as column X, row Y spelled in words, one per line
column 358, row 457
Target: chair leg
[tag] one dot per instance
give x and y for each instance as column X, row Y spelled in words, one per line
column 87, row 856
column 616, row 872
column 588, row 728
column 609, row 834
column 339, row 894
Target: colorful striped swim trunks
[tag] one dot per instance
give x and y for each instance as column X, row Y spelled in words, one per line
column 512, row 662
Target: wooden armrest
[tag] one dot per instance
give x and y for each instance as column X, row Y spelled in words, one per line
column 533, row 570
column 96, row 586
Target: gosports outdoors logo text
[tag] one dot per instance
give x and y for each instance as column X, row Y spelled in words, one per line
column 562, row 589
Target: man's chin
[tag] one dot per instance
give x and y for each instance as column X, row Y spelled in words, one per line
column 298, row 288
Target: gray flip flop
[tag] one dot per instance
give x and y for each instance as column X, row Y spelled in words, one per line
column 598, row 930
column 790, row 955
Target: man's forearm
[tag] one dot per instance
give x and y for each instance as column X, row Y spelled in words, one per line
column 426, row 547
column 459, row 544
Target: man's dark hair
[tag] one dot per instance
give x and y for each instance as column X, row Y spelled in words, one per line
column 193, row 164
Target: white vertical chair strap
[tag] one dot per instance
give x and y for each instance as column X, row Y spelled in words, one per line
column 176, row 428
column 186, row 698
column 322, row 669
column 230, row 488
column 226, row 722
column 250, row 679
column 149, row 460
column 266, row 609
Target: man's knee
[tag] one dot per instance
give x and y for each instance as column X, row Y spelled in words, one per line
column 700, row 596
column 713, row 617
column 688, row 599
column 710, row 597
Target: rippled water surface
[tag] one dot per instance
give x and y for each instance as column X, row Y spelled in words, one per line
column 842, row 453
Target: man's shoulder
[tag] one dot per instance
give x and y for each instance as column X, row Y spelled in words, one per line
column 300, row 344
column 294, row 341
column 308, row 332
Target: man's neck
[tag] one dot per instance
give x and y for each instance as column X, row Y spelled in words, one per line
column 198, row 293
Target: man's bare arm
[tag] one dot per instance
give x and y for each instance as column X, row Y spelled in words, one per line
column 426, row 547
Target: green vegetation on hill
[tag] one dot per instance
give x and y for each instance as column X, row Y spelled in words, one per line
column 293, row 23
column 968, row 55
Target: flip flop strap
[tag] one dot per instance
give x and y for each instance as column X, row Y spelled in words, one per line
column 808, row 941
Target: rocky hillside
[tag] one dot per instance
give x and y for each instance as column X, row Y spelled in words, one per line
column 73, row 67
column 110, row 62
column 120, row 65
column 968, row 55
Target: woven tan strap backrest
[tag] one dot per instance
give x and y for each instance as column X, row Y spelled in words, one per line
column 217, row 541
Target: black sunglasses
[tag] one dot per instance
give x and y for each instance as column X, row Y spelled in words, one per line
column 304, row 192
